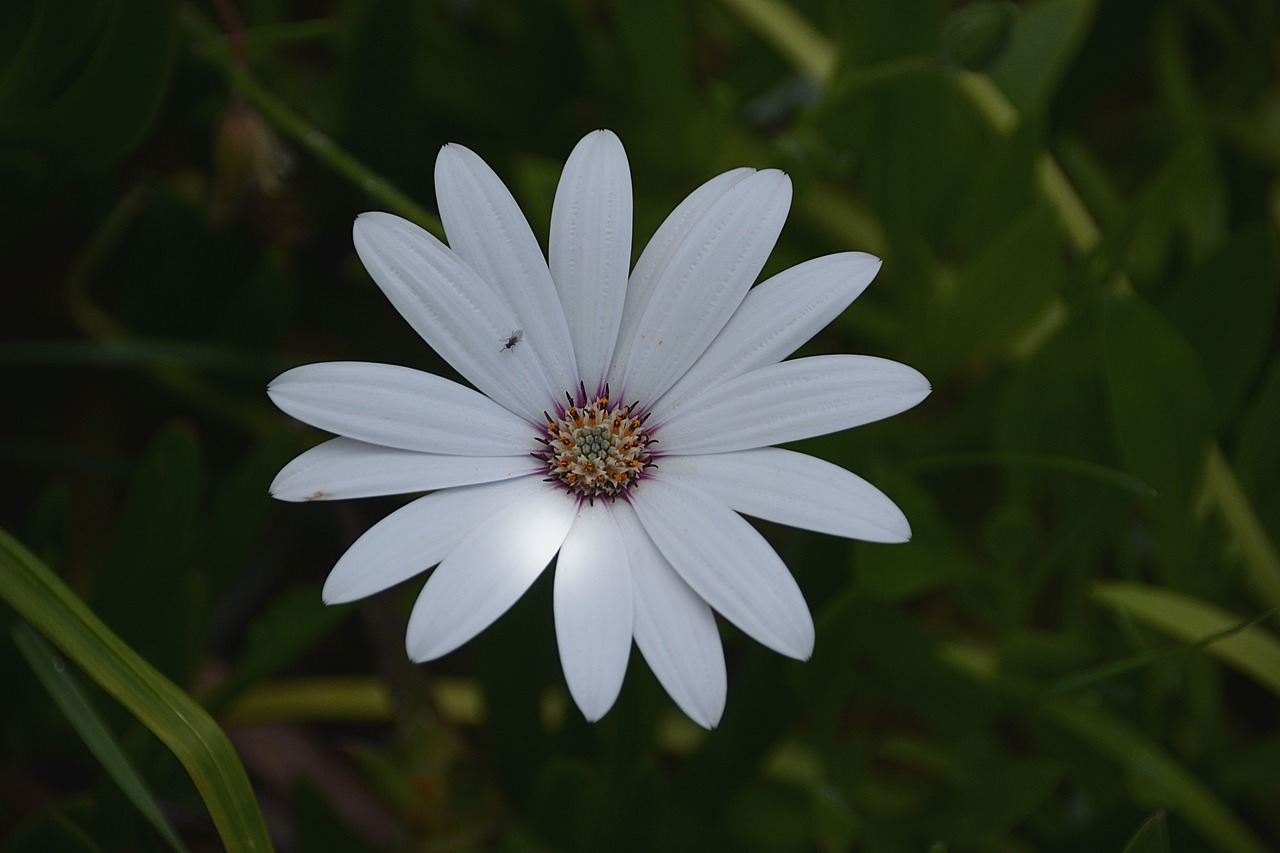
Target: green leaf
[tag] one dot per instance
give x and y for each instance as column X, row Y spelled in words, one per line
column 997, row 796
column 1045, row 40
column 1042, row 461
column 1161, row 406
column 870, row 650
column 1146, row 658
column 292, row 624
column 1153, row 837
column 936, row 560
column 118, row 68
column 1257, row 456
column 1251, row 767
column 900, row 574
column 1248, row 534
column 1003, row 288
column 658, row 42
column 62, row 685
column 1151, row 773
column 240, row 508
column 978, row 33
column 344, row 698
column 44, row 49
column 49, row 829
column 935, row 170
column 138, row 353
column 1001, row 206
column 147, row 568
column 1096, row 186
column 1253, row 650
column 1225, row 307
column 1054, row 403
column 927, row 157
column 1181, row 208
column 53, row 609
column 876, row 31
column 789, row 33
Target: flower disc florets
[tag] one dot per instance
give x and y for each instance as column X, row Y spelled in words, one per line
column 596, row 448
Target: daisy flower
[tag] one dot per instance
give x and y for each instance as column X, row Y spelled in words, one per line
column 617, row 419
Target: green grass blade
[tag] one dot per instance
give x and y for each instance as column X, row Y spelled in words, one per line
column 1222, row 491
column 49, row 667
column 1160, row 777
column 1045, row 461
column 1153, row 837
column 1159, row 774
column 1253, row 650
column 210, row 46
column 790, row 34
column 1147, row 657
column 53, row 609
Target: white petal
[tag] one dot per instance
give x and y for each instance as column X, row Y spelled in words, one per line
column 488, row 571
column 417, row 536
column 344, row 468
column 488, row 231
column 658, row 252
column 593, row 610
column 704, row 282
column 453, row 309
column 790, row 401
column 777, row 317
column 728, row 563
column 590, row 248
column 674, row 628
column 792, row 488
column 399, row 407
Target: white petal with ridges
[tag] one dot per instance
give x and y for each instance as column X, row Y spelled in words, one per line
column 488, row 571
column 727, row 563
column 657, row 255
column 593, row 610
column 344, row 468
column 704, row 282
column 790, row 401
column 590, row 248
column 674, row 628
column 460, row 315
column 487, row 230
column 417, row 536
column 776, row 318
column 794, row 489
column 399, row 407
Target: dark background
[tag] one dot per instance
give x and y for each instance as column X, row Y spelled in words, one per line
column 1076, row 202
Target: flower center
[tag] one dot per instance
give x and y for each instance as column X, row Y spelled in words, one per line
column 596, row 448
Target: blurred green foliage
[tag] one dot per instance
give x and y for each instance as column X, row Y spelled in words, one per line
column 1077, row 203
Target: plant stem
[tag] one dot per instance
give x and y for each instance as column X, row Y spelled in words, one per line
column 212, row 47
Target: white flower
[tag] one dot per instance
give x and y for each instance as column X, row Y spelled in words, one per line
column 621, row 421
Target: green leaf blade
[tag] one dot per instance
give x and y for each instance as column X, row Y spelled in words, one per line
column 1253, row 650
column 193, row 736
column 1161, row 406
column 1152, row 837
column 61, row 684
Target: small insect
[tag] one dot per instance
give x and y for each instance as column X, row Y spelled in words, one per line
column 514, row 338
